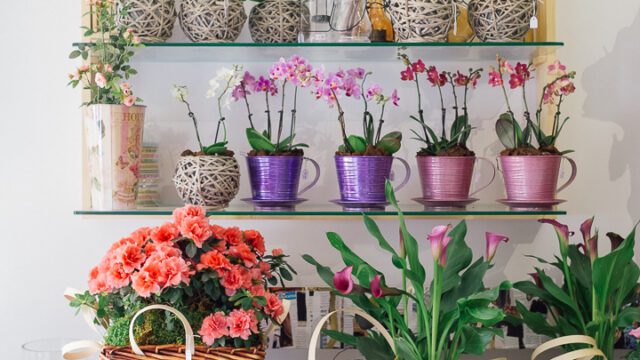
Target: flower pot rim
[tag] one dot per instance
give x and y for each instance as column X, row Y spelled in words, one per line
column 217, row 156
column 118, row 105
column 531, row 156
column 364, row 156
column 273, row 156
column 446, row 156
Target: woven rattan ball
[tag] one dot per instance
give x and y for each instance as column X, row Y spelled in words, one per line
column 151, row 20
column 212, row 20
column 500, row 20
column 421, row 20
column 211, row 181
column 277, row 21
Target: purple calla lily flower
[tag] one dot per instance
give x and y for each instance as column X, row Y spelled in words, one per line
column 585, row 228
column 536, row 279
column 493, row 240
column 616, row 240
column 590, row 242
column 342, row 280
column 376, row 289
column 562, row 231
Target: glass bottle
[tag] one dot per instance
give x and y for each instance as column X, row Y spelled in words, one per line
column 382, row 29
column 349, row 21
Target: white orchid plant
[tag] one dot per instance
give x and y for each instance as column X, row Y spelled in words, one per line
column 219, row 88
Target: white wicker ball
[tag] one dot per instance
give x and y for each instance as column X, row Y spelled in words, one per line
column 421, row 20
column 277, row 21
column 212, row 20
column 500, row 20
column 211, row 181
column 151, row 20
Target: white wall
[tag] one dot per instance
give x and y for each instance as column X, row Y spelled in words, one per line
column 46, row 248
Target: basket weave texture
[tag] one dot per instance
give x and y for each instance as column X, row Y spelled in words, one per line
column 176, row 352
column 421, row 20
column 500, row 20
column 151, row 20
column 212, row 20
column 277, row 21
column 211, row 181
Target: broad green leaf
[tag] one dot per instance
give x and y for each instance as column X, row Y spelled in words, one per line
column 535, row 321
column 475, row 340
column 470, row 282
column 374, row 230
column 341, row 337
column 259, row 142
column 607, row 270
column 508, row 131
column 373, row 349
column 361, row 269
column 324, row 272
column 391, row 142
column 559, row 294
column 216, row 148
column 406, row 350
column 74, row 54
column 628, row 285
column 358, row 144
column 459, row 256
column 627, row 316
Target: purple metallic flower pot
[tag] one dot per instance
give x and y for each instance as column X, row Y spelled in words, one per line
column 277, row 177
column 362, row 178
column 448, row 177
column 534, row 178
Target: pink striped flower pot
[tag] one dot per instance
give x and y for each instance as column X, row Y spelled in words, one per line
column 449, row 177
column 534, row 178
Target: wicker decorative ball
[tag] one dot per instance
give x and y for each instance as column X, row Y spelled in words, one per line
column 151, row 20
column 212, row 20
column 176, row 352
column 211, row 181
column 421, row 20
column 500, row 20
column 277, row 21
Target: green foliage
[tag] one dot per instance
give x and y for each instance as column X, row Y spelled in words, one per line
column 465, row 301
column 594, row 298
column 391, row 142
column 509, row 131
column 261, row 143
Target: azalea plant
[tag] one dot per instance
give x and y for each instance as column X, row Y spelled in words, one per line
column 457, row 319
column 454, row 143
column 332, row 86
column 596, row 292
column 104, row 78
column 217, row 277
column 516, row 138
column 230, row 78
column 295, row 71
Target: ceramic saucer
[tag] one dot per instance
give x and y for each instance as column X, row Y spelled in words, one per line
column 274, row 204
column 360, row 205
column 531, row 204
column 438, row 203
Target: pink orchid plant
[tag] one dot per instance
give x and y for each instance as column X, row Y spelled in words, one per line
column 456, row 140
column 217, row 277
column 334, row 86
column 459, row 307
column 511, row 134
column 597, row 293
column 295, row 71
column 105, row 78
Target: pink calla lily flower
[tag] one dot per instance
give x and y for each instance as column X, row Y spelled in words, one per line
column 562, row 231
column 493, row 240
column 590, row 241
column 439, row 242
column 376, row 289
column 342, row 280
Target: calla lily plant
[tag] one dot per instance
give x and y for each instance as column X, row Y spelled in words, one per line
column 596, row 292
column 456, row 318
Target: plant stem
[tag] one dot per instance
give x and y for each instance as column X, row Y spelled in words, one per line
column 268, row 111
column 343, row 129
column 246, row 102
column 421, row 112
column 195, row 122
column 281, row 113
column 444, row 112
column 556, row 117
column 293, row 117
column 455, row 95
column 454, row 343
column 380, row 122
column 435, row 309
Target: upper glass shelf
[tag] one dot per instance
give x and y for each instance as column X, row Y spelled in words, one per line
column 324, row 211
column 338, row 52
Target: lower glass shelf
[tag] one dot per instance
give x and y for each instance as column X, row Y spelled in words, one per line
column 322, row 211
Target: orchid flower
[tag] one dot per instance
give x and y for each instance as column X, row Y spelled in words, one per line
column 493, row 240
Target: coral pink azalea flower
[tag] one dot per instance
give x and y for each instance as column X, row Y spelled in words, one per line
column 342, row 280
column 493, row 240
column 214, row 327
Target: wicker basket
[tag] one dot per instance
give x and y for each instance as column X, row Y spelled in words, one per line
column 176, row 352
column 151, row 20
column 212, row 20
column 277, row 21
column 500, row 20
column 211, row 181
column 421, row 20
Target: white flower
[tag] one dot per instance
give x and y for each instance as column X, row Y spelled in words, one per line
column 180, row 92
column 213, row 87
column 230, row 78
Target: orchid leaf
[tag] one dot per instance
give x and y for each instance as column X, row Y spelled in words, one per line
column 506, row 128
column 358, row 144
column 217, row 148
column 391, row 142
column 259, row 142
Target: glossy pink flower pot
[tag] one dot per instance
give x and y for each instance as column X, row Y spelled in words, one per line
column 534, row 178
column 449, row 177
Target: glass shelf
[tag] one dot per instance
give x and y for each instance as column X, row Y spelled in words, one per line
column 338, row 52
column 324, row 211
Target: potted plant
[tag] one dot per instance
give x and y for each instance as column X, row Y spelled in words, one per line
column 210, row 176
column 445, row 162
column 363, row 162
column 597, row 294
column 275, row 161
column 457, row 319
column 113, row 123
column 530, row 173
column 214, row 278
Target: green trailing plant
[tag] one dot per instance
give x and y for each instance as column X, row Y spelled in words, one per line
column 596, row 292
column 457, row 318
column 111, row 51
column 455, row 142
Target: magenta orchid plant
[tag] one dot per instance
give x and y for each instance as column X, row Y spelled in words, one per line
column 332, row 86
column 459, row 308
column 460, row 127
column 511, row 134
column 295, row 71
